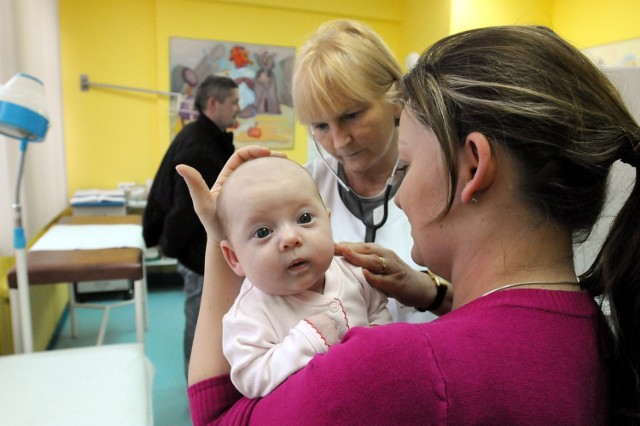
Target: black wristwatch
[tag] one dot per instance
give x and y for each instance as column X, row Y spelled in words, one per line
column 441, row 289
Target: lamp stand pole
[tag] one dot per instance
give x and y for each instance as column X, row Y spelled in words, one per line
column 19, row 245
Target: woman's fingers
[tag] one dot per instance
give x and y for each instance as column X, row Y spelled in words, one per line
column 204, row 199
column 193, row 178
column 369, row 256
column 198, row 188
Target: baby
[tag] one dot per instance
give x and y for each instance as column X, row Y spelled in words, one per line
column 298, row 299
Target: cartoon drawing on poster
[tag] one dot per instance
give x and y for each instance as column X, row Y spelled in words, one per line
column 263, row 74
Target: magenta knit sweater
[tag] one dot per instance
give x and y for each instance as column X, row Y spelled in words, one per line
column 520, row 356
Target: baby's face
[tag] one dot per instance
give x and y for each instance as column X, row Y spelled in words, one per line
column 280, row 232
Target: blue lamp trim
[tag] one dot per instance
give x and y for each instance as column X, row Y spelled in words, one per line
column 19, row 241
column 21, row 119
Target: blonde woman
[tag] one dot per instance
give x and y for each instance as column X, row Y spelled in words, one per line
column 345, row 90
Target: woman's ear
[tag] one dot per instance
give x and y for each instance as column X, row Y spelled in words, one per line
column 232, row 259
column 477, row 165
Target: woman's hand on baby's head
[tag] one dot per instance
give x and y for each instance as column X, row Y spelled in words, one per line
column 204, row 199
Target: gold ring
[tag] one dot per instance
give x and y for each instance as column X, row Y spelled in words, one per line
column 384, row 263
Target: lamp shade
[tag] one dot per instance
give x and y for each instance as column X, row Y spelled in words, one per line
column 23, row 112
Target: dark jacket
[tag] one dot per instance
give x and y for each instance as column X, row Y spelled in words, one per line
column 169, row 218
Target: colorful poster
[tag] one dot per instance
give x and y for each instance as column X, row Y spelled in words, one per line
column 620, row 54
column 263, row 74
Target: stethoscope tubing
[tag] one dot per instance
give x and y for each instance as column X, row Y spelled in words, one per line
column 387, row 192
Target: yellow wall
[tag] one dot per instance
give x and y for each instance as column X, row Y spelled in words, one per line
column 114, row 136
column 467, row 14
column 585, row 23
column 588, row 23
column 425, row 21
column 6, row 342
column 110, row 136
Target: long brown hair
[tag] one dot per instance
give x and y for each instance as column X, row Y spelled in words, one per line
column 563, row 124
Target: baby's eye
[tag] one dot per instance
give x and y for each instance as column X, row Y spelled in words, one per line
column 305, row 218
column 262, row 232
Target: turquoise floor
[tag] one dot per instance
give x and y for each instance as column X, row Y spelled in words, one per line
column 163, row 346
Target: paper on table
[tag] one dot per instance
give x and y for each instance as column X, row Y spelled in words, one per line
column 90, row 237
column 98, row 196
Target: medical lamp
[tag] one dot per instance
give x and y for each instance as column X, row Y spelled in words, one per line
column 23, row 116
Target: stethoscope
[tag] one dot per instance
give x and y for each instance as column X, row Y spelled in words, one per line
column 371, row 226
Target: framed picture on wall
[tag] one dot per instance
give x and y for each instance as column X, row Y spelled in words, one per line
column 624, row 53
column 263, row 74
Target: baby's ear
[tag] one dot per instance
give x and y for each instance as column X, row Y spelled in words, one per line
column 230, row 256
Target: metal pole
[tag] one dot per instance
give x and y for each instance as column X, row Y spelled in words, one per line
column 19, row 244
column 85, row 84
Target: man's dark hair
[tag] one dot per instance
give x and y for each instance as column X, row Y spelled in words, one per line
column 216, row 87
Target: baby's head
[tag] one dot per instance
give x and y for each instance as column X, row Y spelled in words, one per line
column 277, row 228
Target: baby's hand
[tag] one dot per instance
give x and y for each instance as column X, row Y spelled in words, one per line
column 205, row 199
column 326, row 326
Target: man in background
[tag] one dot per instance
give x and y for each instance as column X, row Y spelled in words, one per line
column 169, row 218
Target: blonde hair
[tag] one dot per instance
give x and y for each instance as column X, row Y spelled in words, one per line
column 345, row 62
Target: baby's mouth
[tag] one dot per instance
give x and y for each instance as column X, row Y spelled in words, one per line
column 297, row 264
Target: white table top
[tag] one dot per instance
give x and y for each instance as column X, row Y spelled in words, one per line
column 90, row 237
column 101, row 385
